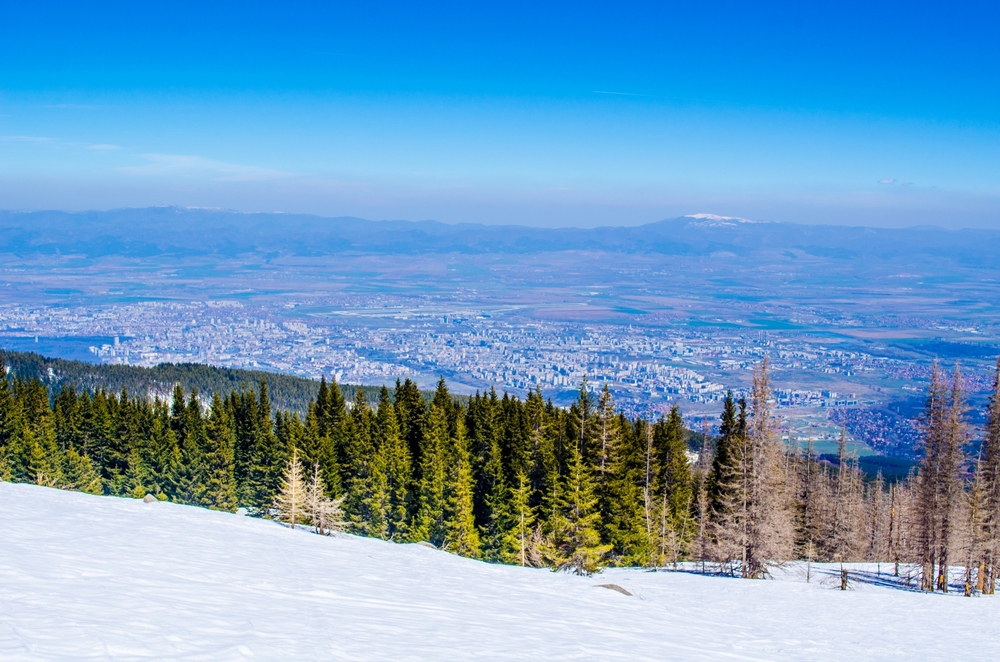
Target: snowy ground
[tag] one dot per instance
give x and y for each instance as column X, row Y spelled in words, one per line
column 93, row 578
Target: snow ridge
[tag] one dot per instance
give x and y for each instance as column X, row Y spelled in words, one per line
column 714, row 220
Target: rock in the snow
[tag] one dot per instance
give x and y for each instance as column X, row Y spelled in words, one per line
column 149, row 498
column 615, row 587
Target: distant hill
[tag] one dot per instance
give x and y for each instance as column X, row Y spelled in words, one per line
column 286, row 391
column 186, row 232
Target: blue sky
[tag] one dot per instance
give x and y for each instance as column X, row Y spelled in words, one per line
column 570, row 114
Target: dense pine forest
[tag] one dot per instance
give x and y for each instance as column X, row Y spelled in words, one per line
column 525, row 482
column 287, row 391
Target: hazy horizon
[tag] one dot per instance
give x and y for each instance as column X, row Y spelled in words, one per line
column 567, row 226
column 542, row 116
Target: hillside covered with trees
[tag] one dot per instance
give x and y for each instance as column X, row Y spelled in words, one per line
column 523, row 481
column 287, row 391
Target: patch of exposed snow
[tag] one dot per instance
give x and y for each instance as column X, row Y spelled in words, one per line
column 716, row 220
column 87, row 577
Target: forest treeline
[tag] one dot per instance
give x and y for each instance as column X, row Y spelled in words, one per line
column 287, row 391
column 526, row 482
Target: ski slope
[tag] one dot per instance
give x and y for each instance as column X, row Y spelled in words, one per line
column 99, row 578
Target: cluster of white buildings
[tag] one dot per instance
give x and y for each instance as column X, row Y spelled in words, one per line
column 640, row 364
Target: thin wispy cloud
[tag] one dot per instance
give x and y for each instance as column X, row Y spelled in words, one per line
column 621, row 94
column 190, row 165
column 27, row 139
column 70, row 106
column 887, row 181
column 57, row 143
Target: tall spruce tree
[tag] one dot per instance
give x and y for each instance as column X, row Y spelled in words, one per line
column 267, row 458
column 516, row 548
column 623, row 497
column 722, row 484
column 7, row 425
column 396, row 461
column 428, row 522
column 367, row 487
column 411, row 409
column 575, row 539
column 675, row 488
column 218, row 486
column 607, row 422
column 192, row 448
column 80, row 473
column 461, row 536
column 164, row 459
column 487, row 457
column 34, row 451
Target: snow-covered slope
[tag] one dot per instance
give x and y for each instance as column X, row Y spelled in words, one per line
column 94, row 578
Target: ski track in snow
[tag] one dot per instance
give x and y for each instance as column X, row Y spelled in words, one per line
column 102, row 578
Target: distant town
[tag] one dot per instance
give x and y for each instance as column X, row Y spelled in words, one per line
column 676, row 316
column 639, row 364
column 648, row 368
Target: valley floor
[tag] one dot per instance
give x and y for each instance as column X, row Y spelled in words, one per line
column 100, row 578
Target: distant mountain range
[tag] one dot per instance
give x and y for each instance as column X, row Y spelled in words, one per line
column 180, row 231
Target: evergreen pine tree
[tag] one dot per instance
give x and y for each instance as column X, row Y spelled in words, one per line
column 412, row 412
column 218, row 487
column 192, row 443
column 138, row 476
column 722, row 483
column 585, row 424
column 621, row 492
column 242, row 406
column 35, row 453
column 333, row 431
column 66, row 411
column 576, row 542
column 461, row 535
column 80, row 474
column 7, row 422
column 428, row 522
column 491, row 492
column 98, row 432
column 674, row 487
column 267, row 457
column 608, row 427
column 178, row 414
column 368, row 487
column 396, row 462
column 164, row 460
column 517, row 534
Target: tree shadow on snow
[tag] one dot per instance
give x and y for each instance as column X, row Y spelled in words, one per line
column 907, row 580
